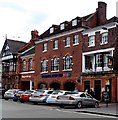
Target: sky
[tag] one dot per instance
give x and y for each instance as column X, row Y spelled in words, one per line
column 19, row 17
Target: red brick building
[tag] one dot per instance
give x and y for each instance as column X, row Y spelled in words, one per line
column 26, row 63
column 100, row 59
column 59, row 51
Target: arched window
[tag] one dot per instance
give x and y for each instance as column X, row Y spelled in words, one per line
column 67, row 63
column 24, row 65
column 30, row 63
column 55, row 64
column 44, row 66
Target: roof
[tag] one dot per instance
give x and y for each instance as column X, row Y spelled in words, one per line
column 14, row 45
column 29, row 52
column 113, row 19
column 68, row 26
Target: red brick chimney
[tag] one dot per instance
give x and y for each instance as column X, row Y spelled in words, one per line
column 101, row 13
column 34, row 34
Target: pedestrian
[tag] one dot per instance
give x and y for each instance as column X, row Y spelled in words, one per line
column 76, row 90
column 86, row 91
column 92, row 92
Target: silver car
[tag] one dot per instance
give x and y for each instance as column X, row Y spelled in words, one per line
column 78, row 100
column 40, row 96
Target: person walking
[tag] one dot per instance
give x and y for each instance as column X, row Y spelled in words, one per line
column 92, row 92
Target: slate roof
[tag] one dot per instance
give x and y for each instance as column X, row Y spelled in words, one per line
column 113, row 19
column 29, row 52
column 14, row 45
column 67, row 27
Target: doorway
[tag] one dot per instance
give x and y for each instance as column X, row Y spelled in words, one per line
column 97, row 87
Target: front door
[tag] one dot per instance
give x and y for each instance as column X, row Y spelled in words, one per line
column 97, row 89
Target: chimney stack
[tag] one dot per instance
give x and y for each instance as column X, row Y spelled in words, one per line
column 101, row 11
column 34, row 34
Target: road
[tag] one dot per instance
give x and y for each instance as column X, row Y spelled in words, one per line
column 12, row 109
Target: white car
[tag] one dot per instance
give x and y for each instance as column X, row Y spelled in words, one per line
column 52, row 98
column 9, row 94
column 40, row 96
column 78, row 100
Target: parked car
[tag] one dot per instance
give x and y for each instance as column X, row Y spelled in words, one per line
column 17, row 95
column 78, row 100
column 39, row 97
column 52, row 98
column 25, row 96
column 9, row 94
column 2, row 92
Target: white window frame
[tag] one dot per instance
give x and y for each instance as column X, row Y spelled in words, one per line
column 44, row 66
column 62, row 26
column 55, row 44
column 67, row 42
column 55, row 65
column 67, row 65
column 104, row 38
column 74, row 22
column 76, row 40
column 91, row 41
column 45, row 45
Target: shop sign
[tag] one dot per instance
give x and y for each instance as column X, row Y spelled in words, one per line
column 56, row 75
column 110, row 61
column 26, row 76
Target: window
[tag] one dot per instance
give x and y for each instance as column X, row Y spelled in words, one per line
column 51, row 30
column 55, row 44
column 44, row 66
column 67, row 63
column 44, row 47
column 76, row 39
column 55, row 64
column 88, row 63
column 62, row 26
column 30, row 64
column 24, row 65
column 91, row 41
column 74, row 22
column 99, row 60
column 67, row 42
column 104, row 39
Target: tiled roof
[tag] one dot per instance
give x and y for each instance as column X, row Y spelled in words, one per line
column 14, row 45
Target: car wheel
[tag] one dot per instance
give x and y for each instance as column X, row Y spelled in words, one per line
column 21, row 101
column 15, row 100
column 61, row 106
column 79, row 105
column 96, row 104
column 6, row 98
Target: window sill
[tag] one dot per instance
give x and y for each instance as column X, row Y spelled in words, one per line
column 44, row 72
column 75, row 44
column 68, row 70
column 55, row 71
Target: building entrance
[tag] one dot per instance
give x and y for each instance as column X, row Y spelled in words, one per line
column 97, row 88
column 55, row 86
column 70, row 86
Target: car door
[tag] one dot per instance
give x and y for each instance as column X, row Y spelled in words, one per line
column 89, row 99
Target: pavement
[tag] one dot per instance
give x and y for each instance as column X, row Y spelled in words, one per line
column 110, row 110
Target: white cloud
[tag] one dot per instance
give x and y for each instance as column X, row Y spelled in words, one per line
column 19, row 17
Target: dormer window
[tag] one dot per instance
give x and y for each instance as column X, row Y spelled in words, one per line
column 62, row 26
column 74, row 22
column 51, row 30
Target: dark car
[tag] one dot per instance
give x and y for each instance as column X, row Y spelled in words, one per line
column 2, row 92
column 17, row 95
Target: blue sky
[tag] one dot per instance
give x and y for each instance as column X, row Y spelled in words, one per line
column 19, row 17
